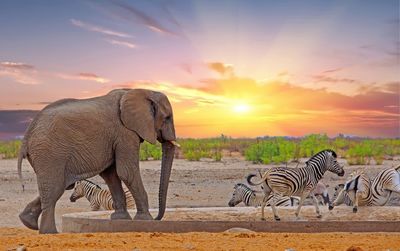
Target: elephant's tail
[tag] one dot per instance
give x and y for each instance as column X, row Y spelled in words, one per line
column 21, row 156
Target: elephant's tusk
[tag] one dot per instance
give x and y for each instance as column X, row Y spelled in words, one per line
column 175, row 143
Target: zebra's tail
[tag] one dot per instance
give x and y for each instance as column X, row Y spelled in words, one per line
column 250, row 176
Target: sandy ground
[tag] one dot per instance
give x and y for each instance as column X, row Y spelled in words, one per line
column 193, row 184
column 198, row 241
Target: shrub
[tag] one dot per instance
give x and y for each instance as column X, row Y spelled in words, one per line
column 10, row 149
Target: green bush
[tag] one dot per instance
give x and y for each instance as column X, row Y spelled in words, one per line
column 277, row 150
column 149, row 151
column 363, row 152
column 264, row 150
column 312, row 144
column 10, row 149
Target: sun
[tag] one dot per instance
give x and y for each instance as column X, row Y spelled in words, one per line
column 241, row 108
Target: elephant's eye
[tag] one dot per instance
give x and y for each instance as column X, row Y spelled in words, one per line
column 168, row 117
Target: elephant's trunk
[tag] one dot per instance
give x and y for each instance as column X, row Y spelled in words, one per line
column 168, row 152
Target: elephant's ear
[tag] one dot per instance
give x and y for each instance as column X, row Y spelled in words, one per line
column 137, row 113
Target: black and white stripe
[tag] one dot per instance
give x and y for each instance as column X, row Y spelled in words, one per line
column 363, row 191
column 249, row 197
column 286, row 181
column 98, row 197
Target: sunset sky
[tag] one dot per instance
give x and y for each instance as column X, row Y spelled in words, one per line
column 241, row 68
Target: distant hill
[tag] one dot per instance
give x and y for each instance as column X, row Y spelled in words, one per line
column 13, row 123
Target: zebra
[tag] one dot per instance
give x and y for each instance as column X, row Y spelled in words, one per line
column 366, row 192
column 249, row 197
column 286, row 181
column 97, row 196
column 340, row 197
column 321, row 193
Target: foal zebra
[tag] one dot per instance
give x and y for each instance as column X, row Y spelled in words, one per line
column 249, row 197
column 365, row 192
column 98, row 197
column 286, row 181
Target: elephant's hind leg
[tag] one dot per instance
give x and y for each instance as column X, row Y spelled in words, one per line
column 114, row 184
column 29, row 217
column 50, row 191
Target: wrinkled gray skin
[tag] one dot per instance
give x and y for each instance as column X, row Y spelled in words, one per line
column 71, row 140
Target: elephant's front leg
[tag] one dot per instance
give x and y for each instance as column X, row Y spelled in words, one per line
column 128, row 171
column 29, row 217
column 114, row 184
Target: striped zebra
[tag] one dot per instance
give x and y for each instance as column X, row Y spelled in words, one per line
column 286, row 181
column 366, row 192
column 97, row 196
column 340, row 197
column 249, row 197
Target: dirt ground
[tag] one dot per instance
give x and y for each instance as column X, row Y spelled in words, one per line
column 11, row 238
column 193, row 184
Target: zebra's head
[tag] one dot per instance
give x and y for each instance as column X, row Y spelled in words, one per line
column 331, row 162
column 336, row 200
column 78, row 192
column 239, row 192
column 82, row 187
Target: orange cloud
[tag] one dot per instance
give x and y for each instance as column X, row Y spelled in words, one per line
column 278, row 109
column 244, row 107
column 221, row 68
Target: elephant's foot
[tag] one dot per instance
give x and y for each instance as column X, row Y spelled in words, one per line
column 30, row 220
column 143, row 216
column 50, row 230
column 121, row 215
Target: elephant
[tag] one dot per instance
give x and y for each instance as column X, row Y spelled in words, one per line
column 75, row 139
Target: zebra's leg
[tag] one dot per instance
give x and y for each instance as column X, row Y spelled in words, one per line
column 264, row 202
column 262, row 210
column 302, row 198
column 316, row 202
column 114, row 184
column 273, row 202
column 355, row 207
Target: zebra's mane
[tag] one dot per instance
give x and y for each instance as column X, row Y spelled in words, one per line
column 321, row 152
column 244, row 186
column 91, row 182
